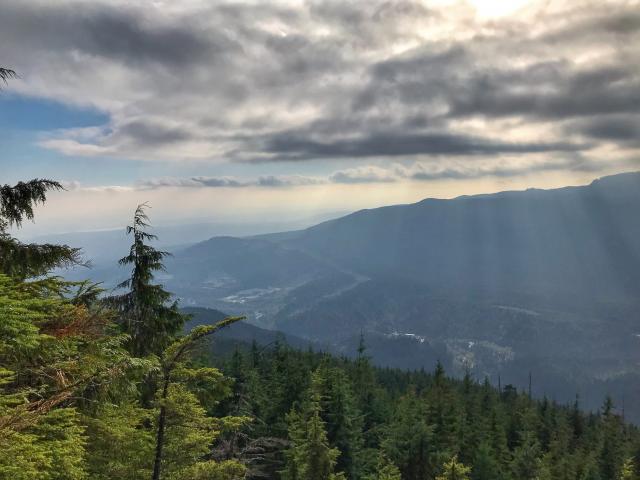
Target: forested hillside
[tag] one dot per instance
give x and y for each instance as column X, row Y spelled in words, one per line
column 377, row 423
column 540, row 281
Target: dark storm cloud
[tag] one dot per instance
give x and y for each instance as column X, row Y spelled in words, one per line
column 543, row 90
column 593, row 22
column 290, row 147
column 568, row 93
column 150, row 133
column 616, row 128
column 121, row 33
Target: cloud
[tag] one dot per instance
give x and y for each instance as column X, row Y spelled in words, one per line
column 431, row 171
column 398, row 81
column 622, row 129
column 367, row 174
column 288, row 146
column 377, row 174
column 268, row 181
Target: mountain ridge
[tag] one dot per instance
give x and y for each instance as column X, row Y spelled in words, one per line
column 463, row 274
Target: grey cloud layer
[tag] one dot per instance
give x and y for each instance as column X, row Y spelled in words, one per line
column 336, row 80
column 372, row 174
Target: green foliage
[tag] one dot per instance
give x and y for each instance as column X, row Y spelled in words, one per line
column 51, row 449
column 190, row 433
column 627, row 472
column 184, row 432
column 145, row 311
column 407, row 438
column 310, row 457
column 54, row 350
column 120, row 441
column 501, row 435
column 17, row 203
column 454, row 470
column 485, row 464
column 385, row 470
column 342, row 417
column 526, row 458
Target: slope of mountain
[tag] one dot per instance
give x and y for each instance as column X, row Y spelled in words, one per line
column 404, row 352
column 240, row 332
column 546, row 281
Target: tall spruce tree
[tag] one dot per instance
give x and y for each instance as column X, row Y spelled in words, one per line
column 454, row 470
column 385, row 470
column 526, row 461
column 146, row 311
column 342, row 417
column 310, row 457
column 612, row 452
column 183, row 430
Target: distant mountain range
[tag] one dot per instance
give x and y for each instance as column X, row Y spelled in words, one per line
column 540, row 281
column 545, row 282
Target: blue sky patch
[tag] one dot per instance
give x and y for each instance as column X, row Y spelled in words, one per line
column 29, row 113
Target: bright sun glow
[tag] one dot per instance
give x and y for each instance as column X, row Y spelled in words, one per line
column 497, row 8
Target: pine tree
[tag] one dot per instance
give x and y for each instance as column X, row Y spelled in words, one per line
column 342, row 417
column 58, row 356
column 120, row 441
column 180, row 408
column 371, row 401
column 444, row 415
column 627, row 471
column 310, row 456
column 526, row 461
column 611, row 453
column 146, row 312
column 385, row 470
column 454, row 470
column 20, row 260
column 407, row 438
column 485, row 465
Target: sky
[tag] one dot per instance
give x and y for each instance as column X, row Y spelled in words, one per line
column 254, row 111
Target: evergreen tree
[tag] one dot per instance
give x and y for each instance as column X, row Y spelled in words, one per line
column 342, row 418
column 526, row 458
column 454, row 470
column 145, row 311
column 57, row 357
column 627, row 472
column 310, row 457
column 179, row 408
column 444, row 415
column 408, row 438
column 120, row 441
column 485, row 465
column 588, row 469
column 385, row 470
column 20, row 260
column 612, row 453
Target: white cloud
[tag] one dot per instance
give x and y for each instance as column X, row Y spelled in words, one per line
column 406, row 79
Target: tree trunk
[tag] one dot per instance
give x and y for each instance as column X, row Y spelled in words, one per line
column 162, row 417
